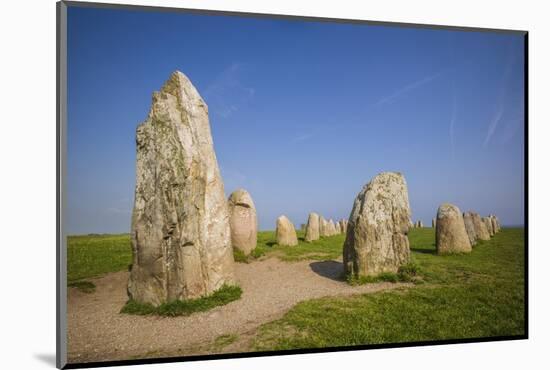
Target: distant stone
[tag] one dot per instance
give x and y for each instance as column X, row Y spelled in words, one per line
column 243, row 221
column 450, row 232
column 343, row 226
column 480, row 228
column 338, row 228
column 433, row 223
column 470, row 228
column 181, row 239
column 323, row 226
column 488, row 225
column 312, row 227
column 331, row 227
column 499, row 226
column 419, row 224
column 494, row 224
column 286, row 233
column 376, row 240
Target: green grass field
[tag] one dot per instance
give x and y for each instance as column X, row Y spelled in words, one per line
column 462, row 296
column 480, row 294
column 94, row 255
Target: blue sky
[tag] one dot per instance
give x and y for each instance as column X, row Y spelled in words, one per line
column 303, row 114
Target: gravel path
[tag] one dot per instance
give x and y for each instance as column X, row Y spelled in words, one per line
column 98, row 332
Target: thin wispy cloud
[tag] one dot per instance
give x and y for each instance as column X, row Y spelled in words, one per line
column 301, row 138
column 499, row 108
column 408, row 88
column 511, row 127
column 227, row 93
column 452, row 123
column 497, row 116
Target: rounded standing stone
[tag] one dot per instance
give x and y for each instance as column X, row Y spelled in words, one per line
column 312, row 227
column 450, row 233
column 376, row 239
column 243, row 221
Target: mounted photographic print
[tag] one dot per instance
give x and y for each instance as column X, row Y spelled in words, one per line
column 235, row 185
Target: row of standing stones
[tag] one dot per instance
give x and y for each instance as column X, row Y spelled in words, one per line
column 455, row 227
column 183, row 229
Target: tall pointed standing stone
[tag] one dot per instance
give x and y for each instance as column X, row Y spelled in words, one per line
column 470, row 228
column 323, row 226
column 331, row 228
column 494, row 223
column 243, row 221
column 481, row 229
column 488, row 225
column 376, row 239
column 181, row 239
column 285, row 232
column 312, row 227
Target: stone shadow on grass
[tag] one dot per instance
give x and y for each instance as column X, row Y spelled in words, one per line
column 425, row 249
column 333, row 270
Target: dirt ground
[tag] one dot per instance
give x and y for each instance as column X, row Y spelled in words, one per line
column 98, row 332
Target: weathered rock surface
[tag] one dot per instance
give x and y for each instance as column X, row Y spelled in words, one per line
column 181, row 237
column 243, row 221
column 343, row 226
column 286, row 233
column 470, row 228
column 488, row 225
column 494, row 224
column 376, row 239
column 499, row 226
column 323, row 226
column 450, row 231
column 312, row 227
column 480, row 228
column 331, row 228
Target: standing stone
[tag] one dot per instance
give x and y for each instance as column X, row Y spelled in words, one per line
column 470, row 228
column 494, row 223
column 322, row 226
column 433, row 223
column 312, row 227
column 331, row 227
column 480, row 228
column 337, row 227
column 419, row 224
column 243, row 221
column 343, row 225
column 450, row 232
column 181, row 239
column 488, row 225
column 286, row 234
column 376, row 239
column 411, row 224
column 499, row 227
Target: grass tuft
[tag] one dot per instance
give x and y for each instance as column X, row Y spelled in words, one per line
column 222, row 296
